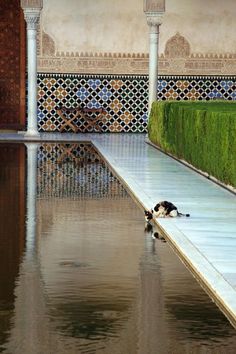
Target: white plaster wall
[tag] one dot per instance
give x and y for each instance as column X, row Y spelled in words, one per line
column 96, row 25
column 120, row 25
column 208, row 25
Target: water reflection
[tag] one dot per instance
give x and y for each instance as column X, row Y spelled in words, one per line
column 31, row 196
column 79, row 274
column 180, row 315
column 12, row 233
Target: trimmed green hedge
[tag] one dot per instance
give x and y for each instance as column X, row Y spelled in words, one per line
column 201, row 133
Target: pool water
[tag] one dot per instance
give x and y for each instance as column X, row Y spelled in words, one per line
column 78, row 271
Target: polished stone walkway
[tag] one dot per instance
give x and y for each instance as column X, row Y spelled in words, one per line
column 206, row 241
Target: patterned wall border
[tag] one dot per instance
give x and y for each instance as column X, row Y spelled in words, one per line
column 176, row 60
column 124, row 98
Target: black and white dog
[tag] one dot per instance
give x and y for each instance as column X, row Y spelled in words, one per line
column 163, row 209
column 167, row 209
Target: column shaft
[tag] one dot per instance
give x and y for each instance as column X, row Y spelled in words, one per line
column 32, row 127
column 153, row 68
column 154, row 21
column 32, row 16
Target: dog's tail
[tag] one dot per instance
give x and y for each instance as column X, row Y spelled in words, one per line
column 181, row 214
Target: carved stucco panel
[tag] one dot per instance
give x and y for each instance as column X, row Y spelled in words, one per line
column 25, row 4
column 229, row 66
column 154, row 6
column 48, row 45
column 177, row 47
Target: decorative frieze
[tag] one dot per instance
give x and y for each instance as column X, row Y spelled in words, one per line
column 177, row 59
column 118, row 63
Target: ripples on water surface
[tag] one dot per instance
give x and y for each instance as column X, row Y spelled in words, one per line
column 78, row 273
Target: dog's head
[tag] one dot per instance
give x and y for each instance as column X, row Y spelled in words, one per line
column 148, row 215
column 157, row 207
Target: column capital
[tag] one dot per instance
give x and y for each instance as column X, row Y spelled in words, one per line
column 32, row 145
column 154, row 21
column 32, row 9
column 32, row 19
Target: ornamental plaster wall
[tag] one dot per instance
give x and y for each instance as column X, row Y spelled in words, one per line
column 104, row 36
column 120, row 26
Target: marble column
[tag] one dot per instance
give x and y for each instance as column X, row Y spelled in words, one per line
column 154, row 21
column 32, row 9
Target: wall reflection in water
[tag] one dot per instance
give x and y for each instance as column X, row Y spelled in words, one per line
column 12, row 229
column 87, row 278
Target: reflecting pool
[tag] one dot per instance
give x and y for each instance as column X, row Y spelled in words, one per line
column 78, row 272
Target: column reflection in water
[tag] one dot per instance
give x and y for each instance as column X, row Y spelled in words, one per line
column 32, row 149
column 153, row 327
column 29, row 329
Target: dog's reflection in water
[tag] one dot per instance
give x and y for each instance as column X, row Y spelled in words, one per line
column 156, row 235
column 151, row 229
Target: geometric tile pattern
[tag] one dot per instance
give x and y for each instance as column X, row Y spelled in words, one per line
column 124, row 98
column 196, row 88
column 75, row 170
